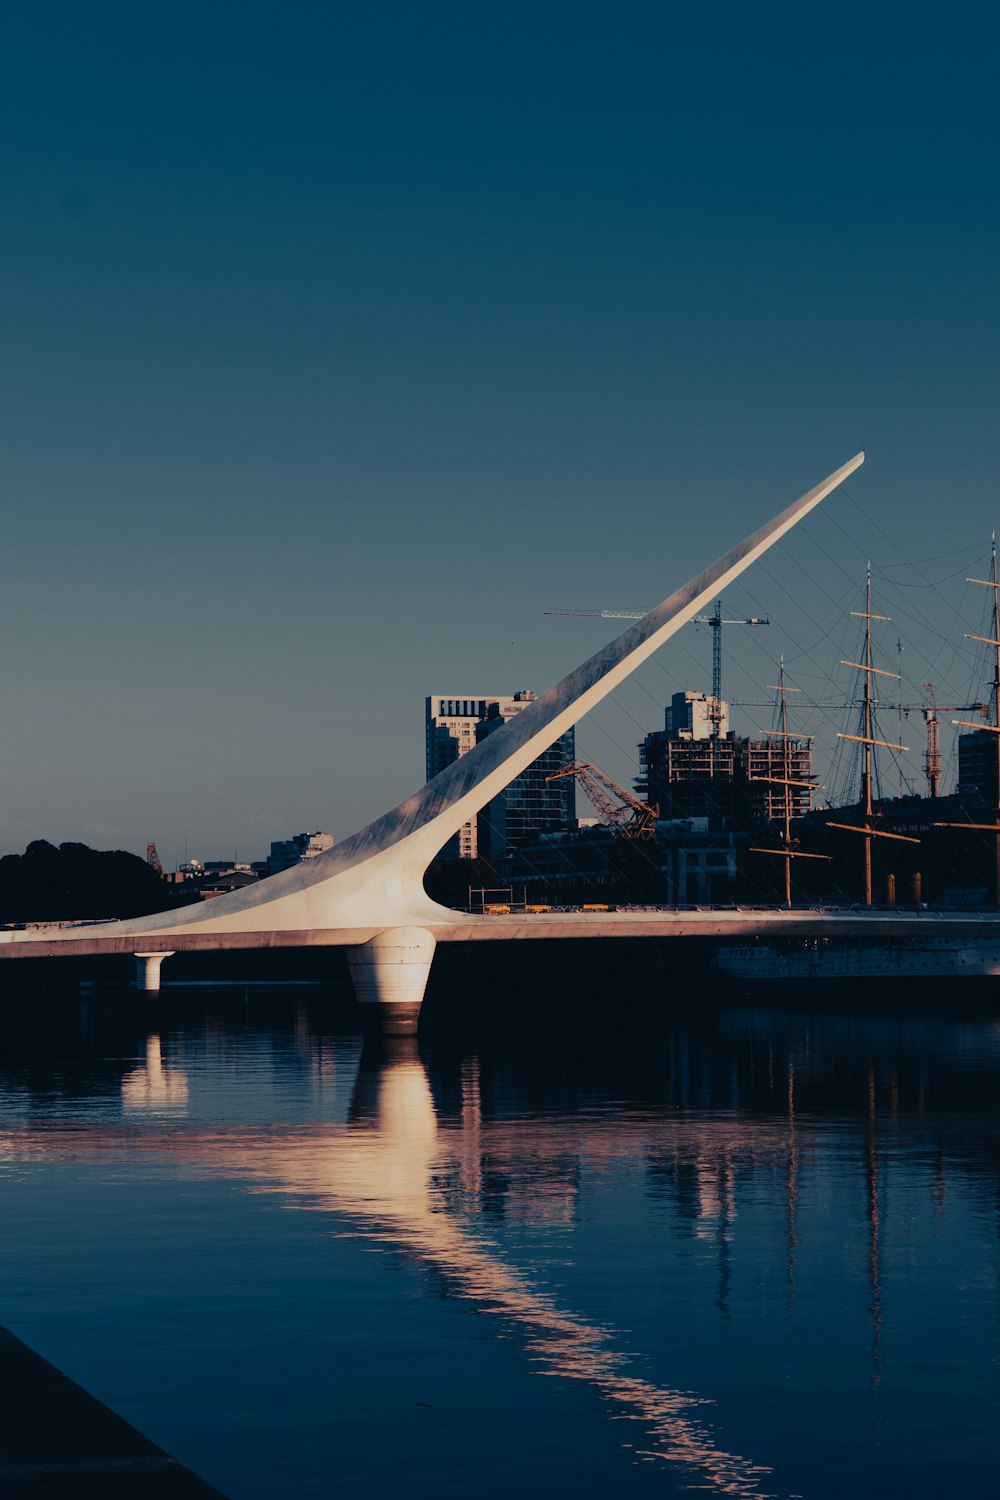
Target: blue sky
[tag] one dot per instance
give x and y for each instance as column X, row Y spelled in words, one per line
column 338, row 344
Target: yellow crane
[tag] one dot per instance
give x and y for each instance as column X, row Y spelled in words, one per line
column 616, row 808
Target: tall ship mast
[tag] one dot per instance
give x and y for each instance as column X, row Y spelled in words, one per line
column 917, row 953
column 993, row 724
column 869, row 741
column 788, row 850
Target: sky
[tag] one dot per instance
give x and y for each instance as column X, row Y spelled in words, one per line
column 339, row 343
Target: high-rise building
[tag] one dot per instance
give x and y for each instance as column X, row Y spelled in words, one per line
column 288, row 852
column 453, row 726
column 532, row 804
column 977, row 767
column 451, row 731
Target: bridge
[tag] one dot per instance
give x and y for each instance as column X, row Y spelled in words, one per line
column 367, row 895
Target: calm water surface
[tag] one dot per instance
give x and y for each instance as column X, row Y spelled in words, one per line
column 642, row 1251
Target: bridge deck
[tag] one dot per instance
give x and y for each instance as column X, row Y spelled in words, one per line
column 731, row 924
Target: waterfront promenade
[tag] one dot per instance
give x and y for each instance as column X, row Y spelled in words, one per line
column 57, row 1442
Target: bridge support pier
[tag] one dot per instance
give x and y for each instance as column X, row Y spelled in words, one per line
column 147, row 969
column 390, row 975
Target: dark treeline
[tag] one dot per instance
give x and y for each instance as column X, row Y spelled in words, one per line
column 46, row 884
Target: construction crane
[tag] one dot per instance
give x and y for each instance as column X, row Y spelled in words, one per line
column 716, row 623
column 932, row 755
column 626, row 816
column 153, row 860
column 930, row 711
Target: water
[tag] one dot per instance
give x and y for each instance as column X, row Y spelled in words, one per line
column 628, row 1248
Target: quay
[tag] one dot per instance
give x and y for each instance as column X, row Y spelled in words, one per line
column 57, row 1442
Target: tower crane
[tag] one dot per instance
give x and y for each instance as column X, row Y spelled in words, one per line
column 930, row 711
column 626, row 815
column 715, row 622
column 932, row 755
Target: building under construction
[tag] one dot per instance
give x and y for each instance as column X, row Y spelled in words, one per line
column 688, row 771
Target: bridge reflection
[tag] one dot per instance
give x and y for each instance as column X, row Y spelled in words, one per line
column 436, row 1158
column 152, row 1087
column 388, row 1174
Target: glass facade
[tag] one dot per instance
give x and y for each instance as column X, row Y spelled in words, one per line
column 529, row 806
column 532, row 804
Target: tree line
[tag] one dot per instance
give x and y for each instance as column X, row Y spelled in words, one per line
column 75, row 882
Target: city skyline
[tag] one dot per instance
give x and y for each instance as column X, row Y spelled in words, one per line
column 330, row 367
column 618, row 752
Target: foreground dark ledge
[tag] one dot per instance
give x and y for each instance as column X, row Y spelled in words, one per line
column 57, row 1441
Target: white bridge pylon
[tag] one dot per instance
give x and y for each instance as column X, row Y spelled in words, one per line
column 367, row 892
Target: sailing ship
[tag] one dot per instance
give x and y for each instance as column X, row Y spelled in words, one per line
column 829, row 958
column 917, row 957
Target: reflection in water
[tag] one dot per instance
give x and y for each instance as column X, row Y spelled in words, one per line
column 386, row 1181
column 745, row 1145
column 792, row 1187
column 380, row 1173
column 874, row 1257
column 154, row 1088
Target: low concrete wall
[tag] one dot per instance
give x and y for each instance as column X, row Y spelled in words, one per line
column 59, row 1443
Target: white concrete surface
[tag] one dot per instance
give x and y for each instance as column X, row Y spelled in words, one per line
column 147, row 969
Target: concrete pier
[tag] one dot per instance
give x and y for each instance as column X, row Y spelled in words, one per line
column 59, row 1443
column 390, row 975
column 147, row 969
